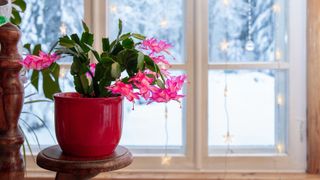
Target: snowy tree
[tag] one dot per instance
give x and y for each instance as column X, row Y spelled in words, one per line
column 41, row 25
column 229, row 22
column 42, row 20
column 162, row 19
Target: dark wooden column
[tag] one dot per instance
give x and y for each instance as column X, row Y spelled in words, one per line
column 313, row 87
column 11, row 101
column 3, row 2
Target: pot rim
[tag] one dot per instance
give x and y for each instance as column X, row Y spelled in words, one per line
column 63, row 95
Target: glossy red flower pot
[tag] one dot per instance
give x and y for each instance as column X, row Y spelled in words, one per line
column 87, row 127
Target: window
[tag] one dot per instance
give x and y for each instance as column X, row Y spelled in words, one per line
column 245, row 63
column 247, row 76
column 42, row 24
column 155, row 132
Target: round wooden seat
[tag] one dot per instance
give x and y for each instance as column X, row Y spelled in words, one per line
column 68, row 167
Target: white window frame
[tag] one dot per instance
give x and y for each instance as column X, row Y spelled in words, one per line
column 196, row 156
column 295, row 159
column 179, row 161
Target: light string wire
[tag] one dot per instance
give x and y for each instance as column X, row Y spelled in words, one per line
column 164, row 21
column 279, row 99
column 227, row 118
column 166, row 159
column 250, row 46
column 166, row 128
column 278, row 148
column 227, row 137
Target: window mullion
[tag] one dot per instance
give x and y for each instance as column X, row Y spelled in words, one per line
column 99, row 22
column 201, row 82
column 88, row 12
column 95, row 17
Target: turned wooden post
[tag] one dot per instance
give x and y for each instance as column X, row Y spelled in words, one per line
column 11, row 101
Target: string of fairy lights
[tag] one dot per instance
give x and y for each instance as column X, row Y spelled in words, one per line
column 166, row 159
column 280, row 101
column 279, row 148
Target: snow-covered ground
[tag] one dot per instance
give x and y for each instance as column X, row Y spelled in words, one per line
column 250, row 105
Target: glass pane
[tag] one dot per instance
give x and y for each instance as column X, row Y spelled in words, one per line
column 162, row 19
column 43, row 112
column 42, row 23
column 252, row 103
column 249, row 30
column 146, row 125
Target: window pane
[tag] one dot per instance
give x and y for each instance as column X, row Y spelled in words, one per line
column 162, row 19
column 255, row 104
column 42, row 20
column 250, row 30
column 146, row 125
column 41, row 24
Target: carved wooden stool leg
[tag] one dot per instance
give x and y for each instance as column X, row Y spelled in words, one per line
column 63, row 176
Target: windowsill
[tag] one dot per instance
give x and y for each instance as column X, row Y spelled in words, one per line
column 36, row 173
column 139, row 175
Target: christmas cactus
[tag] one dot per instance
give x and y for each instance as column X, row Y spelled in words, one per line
column 132, row 66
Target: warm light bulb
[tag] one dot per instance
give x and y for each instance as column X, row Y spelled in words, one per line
column 278, row 55
column 280, row 100
column 63, row 29
column 164, row 23
column 276, row 8
column 224, row 45
column 62, row 73
column 226, row 2
column 226, row 91
column 280, row 148
column 166, row 160
column 113, row 8
column 163, row 66
column 228, row 138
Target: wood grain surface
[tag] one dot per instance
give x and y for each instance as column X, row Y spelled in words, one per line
column 11, row 101
column 69, row 167
column 313, row 87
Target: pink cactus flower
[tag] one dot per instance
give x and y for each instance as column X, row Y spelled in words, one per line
column 175, row 83
column 164, row 71
column 92, row 67
column 165, row 95
column 173, row 86
column 160, row 95
column 143, row 83
column 160, row 60
column 39, row 62
column 155, row 46
column 124, row 89
column 141, row 79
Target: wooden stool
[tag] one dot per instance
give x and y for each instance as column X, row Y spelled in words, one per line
column 78, row 168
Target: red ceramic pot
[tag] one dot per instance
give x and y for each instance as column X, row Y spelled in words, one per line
column 87, row 127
